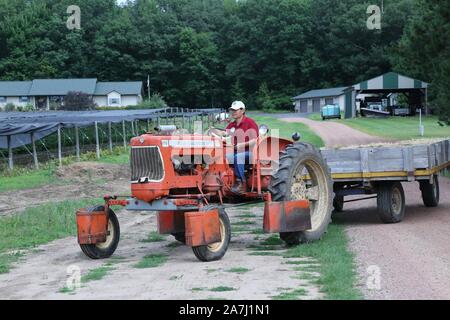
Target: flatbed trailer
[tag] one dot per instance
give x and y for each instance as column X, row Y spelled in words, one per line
column 379, row 171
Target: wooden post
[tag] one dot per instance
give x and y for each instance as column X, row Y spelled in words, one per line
column 159, row 121
column 183, row 119
column 110, row 137
column 124, row 132
column 59, row 146
column 77, row 142
column 148, row 125
column 132, row 128
column 97, row 142
column 35, row 157
column 10, row 154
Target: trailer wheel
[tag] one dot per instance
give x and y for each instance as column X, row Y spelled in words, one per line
column 338, row 203
column 391, row 202
column 288, row 183
column 216, row 251
column 430, row 192
column 106, row 249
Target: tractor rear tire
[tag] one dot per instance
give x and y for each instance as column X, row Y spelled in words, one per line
column 430, row 192
column 216, row 251
column 292, row 159
column 106, row 249
column 391, row 202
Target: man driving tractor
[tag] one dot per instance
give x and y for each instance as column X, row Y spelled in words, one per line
column 244, row 133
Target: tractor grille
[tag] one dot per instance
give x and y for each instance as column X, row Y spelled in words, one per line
column 146, row 162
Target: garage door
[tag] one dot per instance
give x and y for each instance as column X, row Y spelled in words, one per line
column 303, row 106
column 316, row 105
column 329, row 101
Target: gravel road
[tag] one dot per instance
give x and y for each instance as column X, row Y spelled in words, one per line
column 412, row 258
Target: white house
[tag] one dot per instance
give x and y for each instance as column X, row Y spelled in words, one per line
column 45, row 94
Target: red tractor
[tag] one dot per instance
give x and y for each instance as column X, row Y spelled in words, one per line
column 186, row 179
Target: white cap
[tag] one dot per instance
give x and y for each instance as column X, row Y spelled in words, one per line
column 237, row 105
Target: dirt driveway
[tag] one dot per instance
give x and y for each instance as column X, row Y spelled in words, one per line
column 336, row 134
column 412, row 258
column 246, row 272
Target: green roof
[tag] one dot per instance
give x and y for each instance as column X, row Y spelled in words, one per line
column 15, row 88
column 60, row 87
column 124, row 88
column 391, row 81
column 321, row 93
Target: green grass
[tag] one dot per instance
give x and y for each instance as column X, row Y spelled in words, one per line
column 272, row 241
column 20, row 179
column 317, row 116
column 222, row 289
column 154, row 237
column 151, row 261
column 25, row 178
column 402, row 128
column 238, row 270
column 96, row 274
column 36, row 226
column 247, row 215
column 286, row 129
column 242, row 223
column 291, row 295
column 66, row 290
column 336, row 264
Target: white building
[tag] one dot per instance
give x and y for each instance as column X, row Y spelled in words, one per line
column 46, row 94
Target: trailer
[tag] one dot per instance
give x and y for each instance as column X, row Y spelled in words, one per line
column 377, row 172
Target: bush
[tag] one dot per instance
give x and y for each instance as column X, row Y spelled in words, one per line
column 10, row 107
column 156, row 101
column 78, row 101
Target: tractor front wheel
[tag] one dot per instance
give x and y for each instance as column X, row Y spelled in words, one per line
column 105, row 249
column 216, row 251
column 303, row 174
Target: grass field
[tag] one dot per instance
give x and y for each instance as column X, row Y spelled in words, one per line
column 286, row 129
column 36, row 226
column 402, row 128
column 26, row 178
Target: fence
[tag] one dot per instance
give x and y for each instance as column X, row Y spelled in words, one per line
column 72, row 137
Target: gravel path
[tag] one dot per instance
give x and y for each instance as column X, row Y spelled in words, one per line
column 335, row 134
column 412, row 258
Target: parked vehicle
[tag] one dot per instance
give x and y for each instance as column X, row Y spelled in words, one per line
column 331, row 111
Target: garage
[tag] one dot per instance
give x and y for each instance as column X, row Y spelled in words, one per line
column 316, row 105
column 303, row 106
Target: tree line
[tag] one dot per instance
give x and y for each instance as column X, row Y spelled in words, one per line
column 210, row 52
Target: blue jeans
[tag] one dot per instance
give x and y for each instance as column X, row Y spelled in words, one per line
column 239, row 160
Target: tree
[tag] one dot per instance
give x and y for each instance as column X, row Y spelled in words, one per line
column 77, row 101
column 424, row 52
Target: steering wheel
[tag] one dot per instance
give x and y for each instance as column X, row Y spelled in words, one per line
column 210, row 132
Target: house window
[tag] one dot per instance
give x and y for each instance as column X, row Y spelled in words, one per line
column 329, row 101
column 2, row 99
column 114, row 101
column 23, row 99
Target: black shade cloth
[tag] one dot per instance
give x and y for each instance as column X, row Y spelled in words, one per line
column 20, row 125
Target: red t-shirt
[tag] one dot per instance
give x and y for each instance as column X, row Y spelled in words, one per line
column 246, row 130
